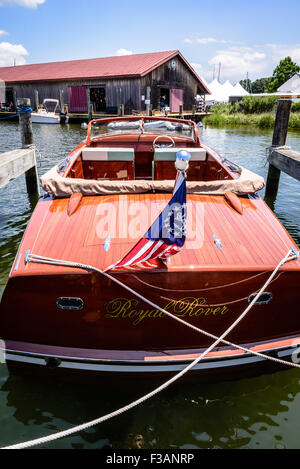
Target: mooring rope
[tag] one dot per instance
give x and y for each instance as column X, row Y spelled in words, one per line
column 291, row 255
column 8, row 117
column 22, row 109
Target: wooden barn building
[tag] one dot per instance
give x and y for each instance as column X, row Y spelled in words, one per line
column 106, row 83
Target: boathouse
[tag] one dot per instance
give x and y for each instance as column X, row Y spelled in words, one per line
column 134, row 81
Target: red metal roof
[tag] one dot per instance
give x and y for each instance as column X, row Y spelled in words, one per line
column 137, row 65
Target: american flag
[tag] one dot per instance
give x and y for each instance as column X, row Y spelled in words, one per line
column 167, row 234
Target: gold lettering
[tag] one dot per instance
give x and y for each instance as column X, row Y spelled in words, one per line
column 186, row 307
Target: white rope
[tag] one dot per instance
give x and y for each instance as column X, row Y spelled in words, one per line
column 31, row 258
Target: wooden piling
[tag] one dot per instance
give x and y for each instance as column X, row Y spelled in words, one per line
column 279, row 139
column 36, row 97
column 62, row 100
column 119, row 98
column 148, row 100
column 31, row 175
column 89, row 105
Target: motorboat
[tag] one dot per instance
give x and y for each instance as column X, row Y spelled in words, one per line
column 98, row 286
column 46, row 116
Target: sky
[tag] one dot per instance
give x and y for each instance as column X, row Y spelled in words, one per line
column 243, row 36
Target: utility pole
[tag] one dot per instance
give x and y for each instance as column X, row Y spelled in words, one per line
column 219, row 72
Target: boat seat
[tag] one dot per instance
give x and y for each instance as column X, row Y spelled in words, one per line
column 164, row 167
column 108, row 163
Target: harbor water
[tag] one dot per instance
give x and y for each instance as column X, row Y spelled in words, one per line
column 258, row 412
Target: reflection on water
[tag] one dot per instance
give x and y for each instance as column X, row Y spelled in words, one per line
column 250, row 413
column 259, row 412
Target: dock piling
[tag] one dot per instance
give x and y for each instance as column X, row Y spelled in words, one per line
column 36, row 97
column 281, row 158
column 279, row 140
column 25, row 121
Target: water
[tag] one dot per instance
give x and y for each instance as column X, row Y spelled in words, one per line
column 261, row 412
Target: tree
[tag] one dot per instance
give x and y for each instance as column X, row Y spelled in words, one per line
column 246, row 84
column 283, row 72
column 260, row 85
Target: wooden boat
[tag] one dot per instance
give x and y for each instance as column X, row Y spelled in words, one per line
column 98, row 204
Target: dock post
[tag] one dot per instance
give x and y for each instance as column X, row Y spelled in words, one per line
column 119, row 97
column 15, row 100
column 181, row 111
column 148, row 100
column 279, row 139
column 31, row 176
column 89, row 105
column 122, row 110
column 36, row 97
column 62, row 100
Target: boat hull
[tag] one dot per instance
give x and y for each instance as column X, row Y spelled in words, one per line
column 47, row 119
column 115, row 333
column 225, row 363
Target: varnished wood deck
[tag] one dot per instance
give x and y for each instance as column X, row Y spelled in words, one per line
column 254, row 240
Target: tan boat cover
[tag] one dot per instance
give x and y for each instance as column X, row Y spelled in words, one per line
column 58, row 186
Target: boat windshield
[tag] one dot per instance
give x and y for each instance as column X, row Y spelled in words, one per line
column 143, row 126
column 50, row 105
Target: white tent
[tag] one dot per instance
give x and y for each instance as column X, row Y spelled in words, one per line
column 291, row 86
column 217, row 93
column 239, row 90
column 228, row 89
column 221, row 93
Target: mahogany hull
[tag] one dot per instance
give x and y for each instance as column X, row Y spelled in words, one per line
column 113, row 319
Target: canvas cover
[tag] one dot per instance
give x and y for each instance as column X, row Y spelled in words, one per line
column 58, row 186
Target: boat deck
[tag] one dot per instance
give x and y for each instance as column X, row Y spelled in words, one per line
column 253, row 241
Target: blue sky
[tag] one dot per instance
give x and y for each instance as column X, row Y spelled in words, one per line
column 245, row 36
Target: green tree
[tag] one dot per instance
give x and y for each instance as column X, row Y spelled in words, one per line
column 260, row 85
column 283, row 72
column 246, row 84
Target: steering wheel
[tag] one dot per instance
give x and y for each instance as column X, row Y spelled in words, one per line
column 163, row 145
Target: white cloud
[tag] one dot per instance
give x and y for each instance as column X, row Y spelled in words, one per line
column 209, row 40
column 12, row 53
column 23, row 3
column 198, row 68
column 236, row 63
column 124, row 52
column 2, row 33
column 279, row 52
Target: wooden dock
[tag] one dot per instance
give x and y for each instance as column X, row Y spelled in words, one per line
column 85, row 117
column 286, row 160
column 4, row 115
column 15, row 163
column 22, row 161
column 281, row 158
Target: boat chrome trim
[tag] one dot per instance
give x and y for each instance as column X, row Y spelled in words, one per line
column 264, row 299
column 75, row 304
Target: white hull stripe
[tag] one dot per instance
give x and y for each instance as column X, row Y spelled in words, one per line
column 142, row 368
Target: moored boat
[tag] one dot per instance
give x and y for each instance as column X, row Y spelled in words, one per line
column 99, row 203
column 45, row 116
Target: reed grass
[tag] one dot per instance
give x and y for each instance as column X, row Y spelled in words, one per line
column 228, row 114
column 251, row 111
